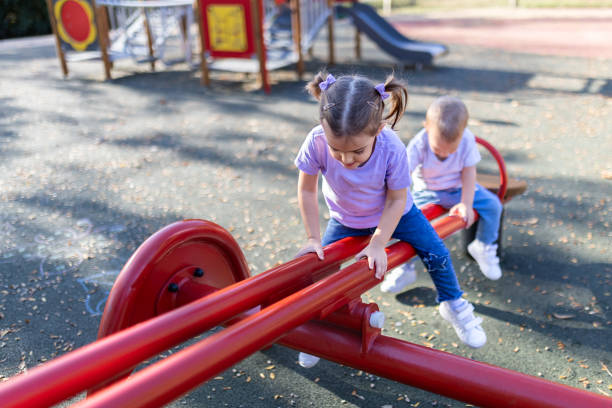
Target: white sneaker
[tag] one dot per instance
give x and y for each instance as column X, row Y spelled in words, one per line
column 399, row 278
column 486, row 257
column 465, row 324
column 308, row 360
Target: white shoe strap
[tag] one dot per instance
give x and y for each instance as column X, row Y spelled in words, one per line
column 473, row 323
column 465, row 312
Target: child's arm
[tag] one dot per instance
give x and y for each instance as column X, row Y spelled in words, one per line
column 465, row 208
column 393, row 211
column 309, row 208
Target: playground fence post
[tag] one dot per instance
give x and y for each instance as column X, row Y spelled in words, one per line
column 330, row 31
column 296, row 26
column 103, row 38
column 259, row 43
column 58, row 45
column 205, row 80
column 147, row 28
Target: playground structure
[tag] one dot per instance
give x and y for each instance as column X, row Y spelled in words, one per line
column 117, row 29
column 192, row 276
column 235, row 35
column 276, row 32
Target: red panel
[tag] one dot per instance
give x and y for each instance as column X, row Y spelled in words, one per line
column 75, row 20
column 246, row 5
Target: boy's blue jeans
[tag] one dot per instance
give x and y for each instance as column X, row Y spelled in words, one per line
column 486, row 203
column 416, row 230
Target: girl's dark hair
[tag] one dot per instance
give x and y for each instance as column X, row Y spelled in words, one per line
column 352, row 104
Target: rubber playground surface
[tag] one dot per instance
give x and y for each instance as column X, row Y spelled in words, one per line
column 90, row 169
column 573, row 33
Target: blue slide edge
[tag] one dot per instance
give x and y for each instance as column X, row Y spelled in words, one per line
column 379, row 30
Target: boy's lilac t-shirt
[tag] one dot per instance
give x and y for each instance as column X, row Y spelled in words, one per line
column 356, row 197
column 429, row 173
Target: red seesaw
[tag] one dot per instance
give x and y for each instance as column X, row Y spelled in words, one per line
column 192, row 276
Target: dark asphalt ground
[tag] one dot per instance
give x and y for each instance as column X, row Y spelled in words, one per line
column 90, row 169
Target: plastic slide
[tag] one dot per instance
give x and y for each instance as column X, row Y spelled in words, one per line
column 379, row 30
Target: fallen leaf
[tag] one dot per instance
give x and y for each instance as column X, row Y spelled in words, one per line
column 354, row 393
column 605, row 368
column 564, row 316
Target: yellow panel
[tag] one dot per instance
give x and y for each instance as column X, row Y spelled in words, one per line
column 227, row 27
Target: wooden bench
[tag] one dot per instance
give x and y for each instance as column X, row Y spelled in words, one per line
column 514, row 187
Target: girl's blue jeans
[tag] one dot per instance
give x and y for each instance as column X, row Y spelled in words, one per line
column 486, row 203
column 416, row 230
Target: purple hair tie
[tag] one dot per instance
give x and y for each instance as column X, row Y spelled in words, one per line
column 381, row 90
column 327, row 83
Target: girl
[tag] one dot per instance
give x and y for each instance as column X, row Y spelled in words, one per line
column 365, row 185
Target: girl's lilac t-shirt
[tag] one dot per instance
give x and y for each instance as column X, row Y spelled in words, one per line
column 356, row 197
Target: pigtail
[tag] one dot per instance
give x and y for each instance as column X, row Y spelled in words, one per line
column 399, row 99
column 313, row 86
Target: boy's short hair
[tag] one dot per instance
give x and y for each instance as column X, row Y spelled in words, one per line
column 449, row 115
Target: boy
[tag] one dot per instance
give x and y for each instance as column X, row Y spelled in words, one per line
column 442, row 159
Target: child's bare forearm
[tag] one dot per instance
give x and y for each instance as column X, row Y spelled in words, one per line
column 393, row 211
column 310, row 214
column 468, row 181
column 309, row 206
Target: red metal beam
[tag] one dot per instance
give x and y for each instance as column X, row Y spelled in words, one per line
column 165, row 381
column 168, row 379
column 80, row 370
column 439, row 372
column 443, row 373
